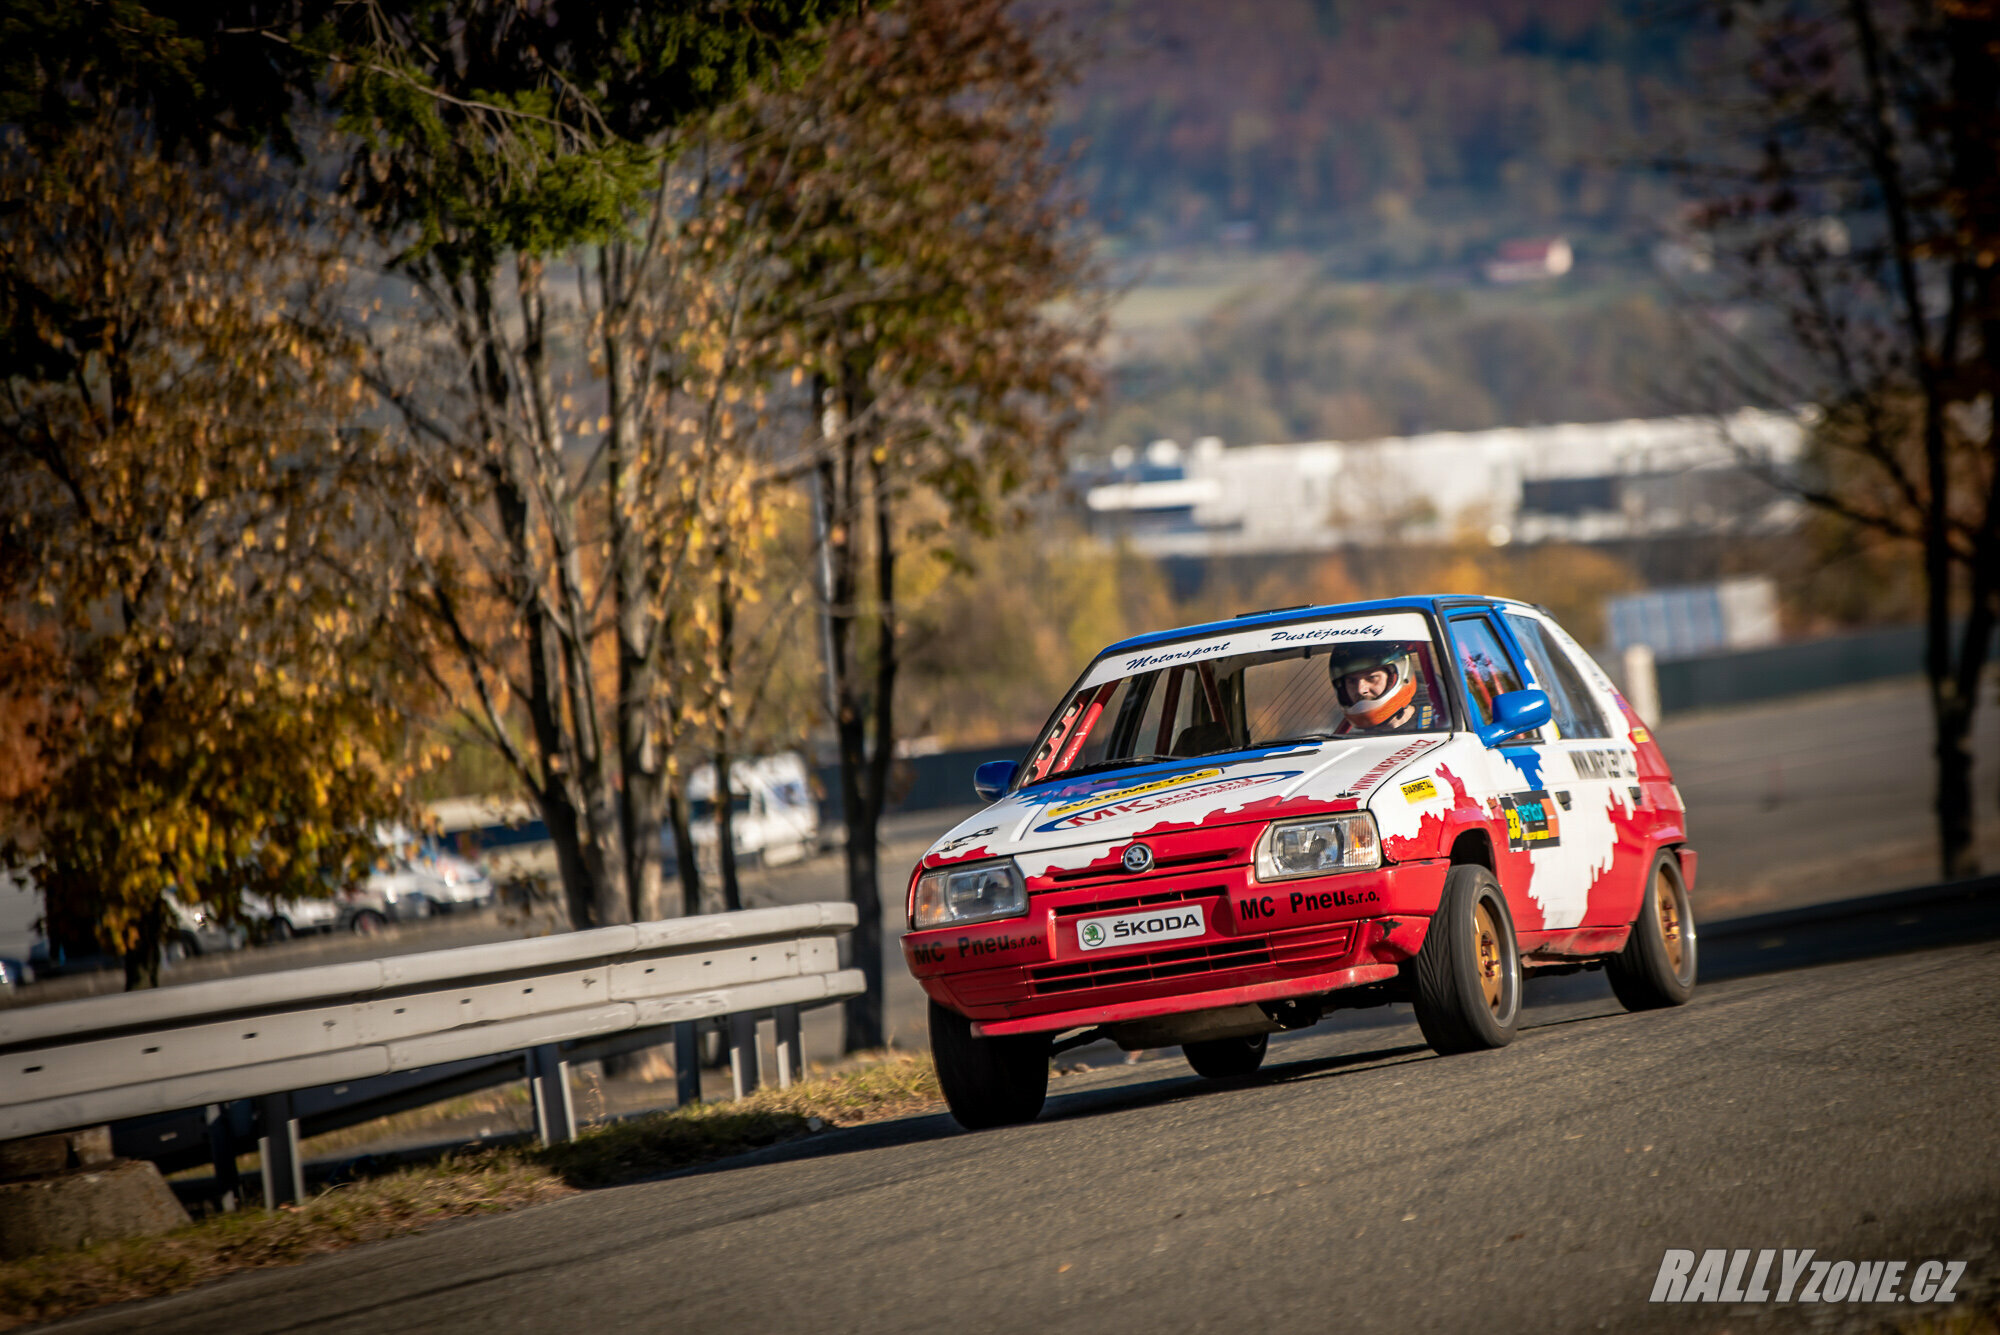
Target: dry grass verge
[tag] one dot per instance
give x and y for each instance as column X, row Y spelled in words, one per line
column 60, row 1284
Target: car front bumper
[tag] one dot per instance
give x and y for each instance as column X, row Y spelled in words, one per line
column 1262, row 942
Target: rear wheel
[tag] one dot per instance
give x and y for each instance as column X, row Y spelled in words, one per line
column 1657, row 966
column 368, row 923
column 1221, row 1058
column 1468, row 974
column 988, row 1081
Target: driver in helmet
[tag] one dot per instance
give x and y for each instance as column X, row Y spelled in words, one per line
column 1378, row 686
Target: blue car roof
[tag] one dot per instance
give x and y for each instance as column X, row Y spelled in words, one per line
column 1424, row 603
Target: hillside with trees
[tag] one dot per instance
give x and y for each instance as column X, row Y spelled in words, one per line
column 1404, row 136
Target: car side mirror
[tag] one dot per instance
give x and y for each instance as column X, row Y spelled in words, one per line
column 1514, row 713
column 991, row 779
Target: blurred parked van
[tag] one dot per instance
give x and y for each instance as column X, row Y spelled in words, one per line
column 775, row 817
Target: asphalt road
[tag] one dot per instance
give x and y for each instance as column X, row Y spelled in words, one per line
column 1819, row 797
column 1359, row 1183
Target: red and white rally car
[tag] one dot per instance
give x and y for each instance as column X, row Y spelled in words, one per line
column 1235, row 828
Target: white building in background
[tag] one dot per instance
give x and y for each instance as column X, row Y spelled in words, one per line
column 1578, row 482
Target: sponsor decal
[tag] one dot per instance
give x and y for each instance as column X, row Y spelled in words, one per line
column 1113, row 793
column 1110, row 806
column 1531, row 821
column 1640, row 736
column 1254, row 908
column 927, row 952
column 1314, row 633
column 1721, row 1276
column 993, row 945
column 1419, row 790
column 1131, row 929
column 1155, row 660
column 1602, row 762
column 1314, row 901
column 1388, row 764
column 1137, row 858
column 965, row 839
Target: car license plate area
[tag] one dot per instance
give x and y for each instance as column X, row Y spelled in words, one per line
column 1146, row 927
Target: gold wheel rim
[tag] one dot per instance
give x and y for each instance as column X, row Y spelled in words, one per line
column 1492, row 961
column 1672, row 934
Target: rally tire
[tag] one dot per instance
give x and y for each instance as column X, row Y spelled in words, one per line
column 1466, row 979
column 988, row 1081
column 1657, row 966
column 1222, row 1058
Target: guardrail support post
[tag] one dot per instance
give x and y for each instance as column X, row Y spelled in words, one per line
column 743, row 1061
column 791, row 1047
column 278, row 1148
column 555, row 1111
column 222, row 1153
column 687, row 1064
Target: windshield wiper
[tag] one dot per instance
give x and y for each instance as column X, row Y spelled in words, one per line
column 1103, row 765
column 1314, row 737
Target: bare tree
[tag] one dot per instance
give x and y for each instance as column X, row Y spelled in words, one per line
column 1847, row 185
column 572, row 392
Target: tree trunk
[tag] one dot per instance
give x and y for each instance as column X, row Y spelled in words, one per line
column 593, row 756
column 725, row 792
column 142, row 961
column 685, row 862
column 838, row 495
column 641, row 761
column 725, row 830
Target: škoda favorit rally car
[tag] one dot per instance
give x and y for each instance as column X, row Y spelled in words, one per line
column 1236, row 828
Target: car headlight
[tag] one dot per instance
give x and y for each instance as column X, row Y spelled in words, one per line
column 977, row 893
column 1318, row 847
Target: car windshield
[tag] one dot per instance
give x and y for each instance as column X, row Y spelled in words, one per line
column 1300, row 681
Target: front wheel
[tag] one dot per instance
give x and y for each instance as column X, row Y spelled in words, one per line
column 1468, row 973
column 988, row 1081
column 1221, row 1058
column 1656, row 968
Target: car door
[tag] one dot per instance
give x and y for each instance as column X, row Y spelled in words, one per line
column 1603, row 824
column 1591, row 768
column 1543, row 888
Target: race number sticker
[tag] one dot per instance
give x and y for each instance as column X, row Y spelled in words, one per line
column 1132, row 929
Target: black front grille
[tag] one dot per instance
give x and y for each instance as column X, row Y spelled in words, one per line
column 1137, row 901
column 1211, row 957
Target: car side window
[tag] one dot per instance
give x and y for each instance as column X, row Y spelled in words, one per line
column 1576, row 714
column 1483, row 665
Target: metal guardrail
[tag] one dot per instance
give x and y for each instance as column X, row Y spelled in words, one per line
column 341, row 1043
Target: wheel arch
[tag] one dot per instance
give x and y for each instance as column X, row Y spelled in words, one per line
column 1474, row 846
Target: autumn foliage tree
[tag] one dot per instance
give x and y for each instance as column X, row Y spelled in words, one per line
column 180, row 464
column 936, row 292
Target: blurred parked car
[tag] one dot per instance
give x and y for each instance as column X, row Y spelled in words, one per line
column 197, row 931
column 461, row 883
column 396, row 891
column 284, row 919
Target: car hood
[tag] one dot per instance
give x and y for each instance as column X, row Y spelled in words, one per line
column 1074, row 824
